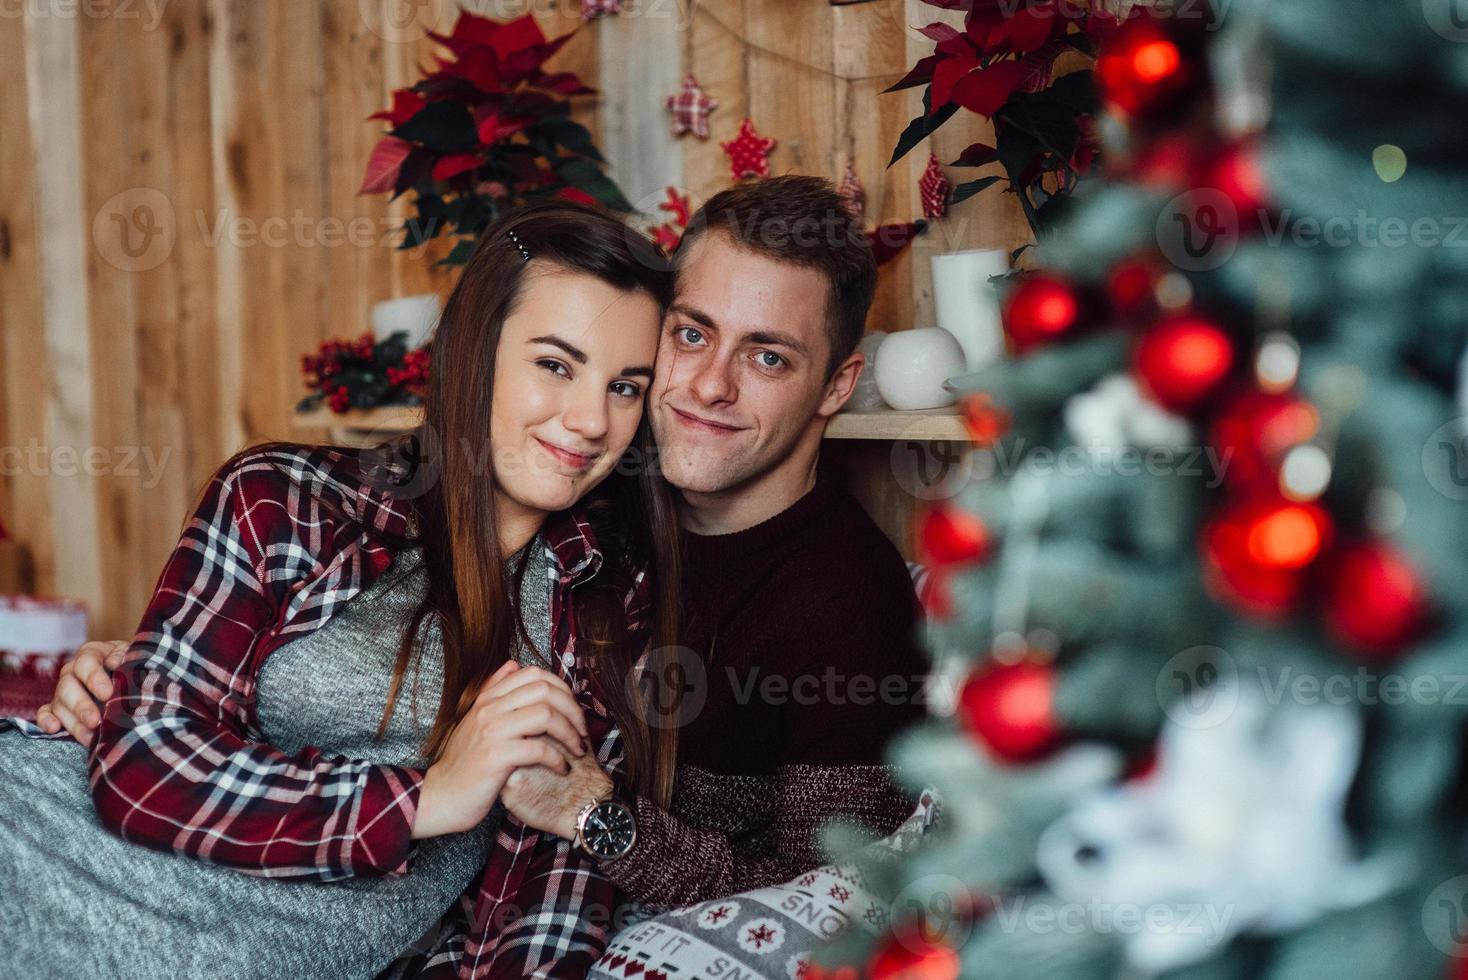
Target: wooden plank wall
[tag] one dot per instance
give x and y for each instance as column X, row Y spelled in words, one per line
column 179, row 219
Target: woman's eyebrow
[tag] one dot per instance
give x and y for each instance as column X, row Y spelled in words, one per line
column 644, row 371
column 576, row 354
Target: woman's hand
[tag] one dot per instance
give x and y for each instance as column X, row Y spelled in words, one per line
column 500, row 733
column 85, row 682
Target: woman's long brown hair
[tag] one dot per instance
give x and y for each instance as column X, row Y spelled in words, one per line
column 631, row 512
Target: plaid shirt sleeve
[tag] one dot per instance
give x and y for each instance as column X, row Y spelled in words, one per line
column 178, row 763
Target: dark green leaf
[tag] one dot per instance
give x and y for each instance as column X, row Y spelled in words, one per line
column 441, row 127
column 921, row 128
column 963, row 192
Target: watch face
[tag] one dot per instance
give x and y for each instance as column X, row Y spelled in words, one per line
column 609, row 830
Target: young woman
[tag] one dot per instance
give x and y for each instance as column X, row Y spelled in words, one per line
column 348, row 655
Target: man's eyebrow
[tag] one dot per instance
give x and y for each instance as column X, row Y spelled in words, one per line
column 781, row 339
column 577, row 355
column 693, row 313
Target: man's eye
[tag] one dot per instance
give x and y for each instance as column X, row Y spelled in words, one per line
column 770, row 359
column 690, row 335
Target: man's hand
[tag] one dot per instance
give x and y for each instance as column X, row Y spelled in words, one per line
column 85, row 683
column 548, row 801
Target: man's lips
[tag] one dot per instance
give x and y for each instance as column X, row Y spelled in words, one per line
column 702, row 424
column 580, row 461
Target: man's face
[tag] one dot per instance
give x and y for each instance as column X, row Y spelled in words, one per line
column 741, row 368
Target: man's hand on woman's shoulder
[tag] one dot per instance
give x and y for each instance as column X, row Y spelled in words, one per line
column 85, row 682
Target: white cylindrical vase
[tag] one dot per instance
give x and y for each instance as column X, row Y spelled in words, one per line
column 968, row 304
column 414, row 315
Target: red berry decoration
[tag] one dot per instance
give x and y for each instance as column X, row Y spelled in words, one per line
column 1374, row 601
column 1183, row 361
column 986, row 423
column 1238, row 174
column 1042, row 309
column 1132, row 288
column 911, row 957
column 1256, row 553
column 1255, row 432
column 949, row 536
column 1142, row 71
column 1010, row 709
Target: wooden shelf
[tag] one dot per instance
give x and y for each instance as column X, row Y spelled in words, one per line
column 933, row 425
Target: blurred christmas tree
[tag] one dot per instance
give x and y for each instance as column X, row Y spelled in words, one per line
column 1206, row 617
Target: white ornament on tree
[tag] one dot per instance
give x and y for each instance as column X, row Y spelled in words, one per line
column 1114, row 416
column 1240, row 829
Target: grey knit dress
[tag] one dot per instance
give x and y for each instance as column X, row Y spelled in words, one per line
column 76, row 901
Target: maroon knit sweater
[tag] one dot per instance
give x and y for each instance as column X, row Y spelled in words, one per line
column 806, row 625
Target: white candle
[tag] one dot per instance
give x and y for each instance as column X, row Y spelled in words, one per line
column 968, row 304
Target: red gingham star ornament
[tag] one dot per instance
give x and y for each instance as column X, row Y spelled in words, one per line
column 853, row 193
column 690, row 109
column 934, row 188
column 592, row 9
column 749, row 152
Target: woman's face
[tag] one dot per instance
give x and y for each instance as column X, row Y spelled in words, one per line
column 574, row 364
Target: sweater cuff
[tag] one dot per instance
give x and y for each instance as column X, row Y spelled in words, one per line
column 384, row 841
column 658, row 838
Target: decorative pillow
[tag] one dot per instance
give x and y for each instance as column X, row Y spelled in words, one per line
column 766, row 934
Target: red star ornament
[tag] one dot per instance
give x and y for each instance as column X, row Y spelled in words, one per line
column 749, row 152
column 934, row 188
column 690, row 110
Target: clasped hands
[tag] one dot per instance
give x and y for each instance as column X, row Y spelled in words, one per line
column 523, row 742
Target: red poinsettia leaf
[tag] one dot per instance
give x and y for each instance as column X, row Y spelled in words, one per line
column 520, row 34
column 384, row 165
column 987, row 30
column 976, row 156
column 1031, row 26
column 950, row 4
column 679, row 205
column 921, row 74
column 985, row 90
column 957, row 46
column 577, row 195
column 405, row 105
column 888, row 241
column 946, row 76
column 480, row 67
column 1039, row 64
column 526, row 62
column 455, row 164
column 564, row 83
column 939, row 31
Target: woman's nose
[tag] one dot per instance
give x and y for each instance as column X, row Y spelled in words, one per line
column 586, row 414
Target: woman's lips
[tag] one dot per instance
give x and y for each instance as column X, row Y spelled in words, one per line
column 703, row 425
column 575, row 460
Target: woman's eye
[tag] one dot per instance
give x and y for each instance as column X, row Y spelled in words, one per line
column 690, row 335
column 554, row 367
column 770, row 359
column 626, row 389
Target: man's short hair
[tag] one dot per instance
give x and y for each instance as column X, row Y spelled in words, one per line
column 804, row 221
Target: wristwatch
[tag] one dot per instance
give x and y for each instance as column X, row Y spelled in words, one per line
column 606, row 829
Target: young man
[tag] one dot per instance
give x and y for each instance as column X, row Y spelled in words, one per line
column 799, row 613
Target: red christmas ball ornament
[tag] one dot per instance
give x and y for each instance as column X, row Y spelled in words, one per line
column 1010, row 709
column 1237, row 172
column 1142, row 71
column 948, row 536
column 911, row 957
column 1255, row 432
column 1182, row 361
column 1041, row 309
column 1132, row 288
column 1374, row 602
column 1256, row 553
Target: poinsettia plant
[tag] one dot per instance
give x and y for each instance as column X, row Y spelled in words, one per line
column 365, row 373
column 1001, row 65
column 488, row 130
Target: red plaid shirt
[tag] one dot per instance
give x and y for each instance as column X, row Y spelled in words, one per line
column 282, row 539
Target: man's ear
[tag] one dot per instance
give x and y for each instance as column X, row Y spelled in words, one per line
column 842, row 384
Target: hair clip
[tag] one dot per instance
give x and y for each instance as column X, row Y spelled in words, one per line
column 524, row 252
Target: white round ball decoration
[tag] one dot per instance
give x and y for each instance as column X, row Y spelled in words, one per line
column 913, row 366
